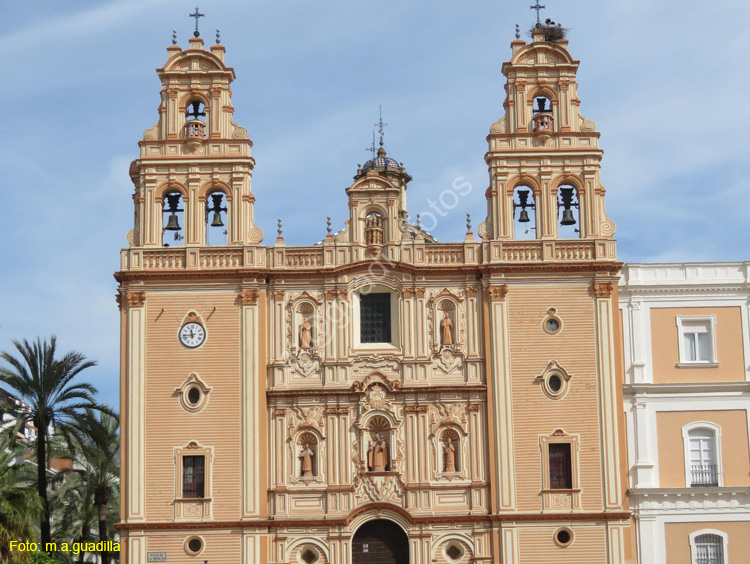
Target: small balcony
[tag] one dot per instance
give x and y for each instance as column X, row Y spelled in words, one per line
column 704, row 476
column 541, row 122
column 195, row 130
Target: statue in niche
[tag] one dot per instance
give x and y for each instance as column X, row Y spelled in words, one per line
column 450, row 456
column 307, row 460
column 305, row 334
column 377, row 454
column 446, row 330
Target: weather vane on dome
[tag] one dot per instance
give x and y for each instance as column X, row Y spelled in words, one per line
column 537, row 7
column 197, row 15
column 380, row 125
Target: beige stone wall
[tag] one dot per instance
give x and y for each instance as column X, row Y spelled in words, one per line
column 217, row 426
column 536, row 544
column 665, row 346
column 535, row 414
column 734, row 445
column 677, row 537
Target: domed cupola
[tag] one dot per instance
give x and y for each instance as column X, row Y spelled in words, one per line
column 385, row 166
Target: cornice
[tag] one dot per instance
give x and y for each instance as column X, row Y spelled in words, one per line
column 701, row 388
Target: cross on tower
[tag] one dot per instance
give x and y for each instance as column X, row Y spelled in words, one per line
column 380, row 125
column 537, row 7
column 197, row 15
column 372, row 149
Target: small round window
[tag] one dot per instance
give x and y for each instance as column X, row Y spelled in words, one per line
column 564, row 537
column 309, row 555
column 194, row 396
column 555, row 384
column 552, row 324
column 454, row 552
column 194, row 545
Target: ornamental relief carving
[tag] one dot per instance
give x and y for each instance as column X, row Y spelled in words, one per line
column 299, row 417
column 448, row 361
column 367, row 364
column 249, row 297
column 441, row 415
column 305, row 364
column 379, row 488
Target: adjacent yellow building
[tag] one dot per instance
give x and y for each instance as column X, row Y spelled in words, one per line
column 379, row 397
column 687, row 396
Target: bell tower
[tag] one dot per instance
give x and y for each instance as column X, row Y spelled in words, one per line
column 194, row 171
column 544, row 157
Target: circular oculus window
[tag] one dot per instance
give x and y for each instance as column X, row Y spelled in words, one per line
column 552, row 325
column 563, row 537
column 194, row 396
column 194, row 545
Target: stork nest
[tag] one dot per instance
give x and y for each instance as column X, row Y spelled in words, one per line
column 552, row 32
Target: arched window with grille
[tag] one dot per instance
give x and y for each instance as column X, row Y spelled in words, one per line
column 701, row 441
column 708, row 547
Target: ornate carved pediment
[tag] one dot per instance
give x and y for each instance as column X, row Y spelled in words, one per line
column 302, row 296
column 376, row 378
column 312, row 417
column 445, row 293
column 452, row 414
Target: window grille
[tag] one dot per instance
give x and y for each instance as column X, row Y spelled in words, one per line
column 193, row 476
column 375, row 318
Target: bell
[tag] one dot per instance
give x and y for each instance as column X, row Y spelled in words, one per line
column 523, row 217
column 172, row 223
column 567, row 218
column 217, row 220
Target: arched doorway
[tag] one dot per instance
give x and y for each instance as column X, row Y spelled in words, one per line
column 380, row 542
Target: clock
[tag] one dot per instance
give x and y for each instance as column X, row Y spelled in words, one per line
column 192, row 335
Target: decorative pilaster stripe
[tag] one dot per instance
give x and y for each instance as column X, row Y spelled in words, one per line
column 608, row 396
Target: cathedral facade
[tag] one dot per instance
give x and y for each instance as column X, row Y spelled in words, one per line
column 379, row 397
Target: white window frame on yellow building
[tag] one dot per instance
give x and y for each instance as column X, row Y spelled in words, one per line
column 706, row 324
column 716, row 430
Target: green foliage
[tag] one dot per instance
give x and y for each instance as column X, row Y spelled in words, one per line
column 42, row 558
column 20, row 505
column 47, row 384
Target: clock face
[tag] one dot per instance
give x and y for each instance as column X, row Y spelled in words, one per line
column 192, row 335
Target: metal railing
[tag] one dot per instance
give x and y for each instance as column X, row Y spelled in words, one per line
column 703, row 476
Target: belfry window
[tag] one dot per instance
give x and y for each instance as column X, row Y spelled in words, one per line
column 195, row 120
column 568, row 212
column 542, row 115
column 375, row 318
column 374, row 229
column 524, row 213
column 217, row 211
column 173, row 215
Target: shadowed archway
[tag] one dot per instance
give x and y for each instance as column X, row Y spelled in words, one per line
column 380, row 542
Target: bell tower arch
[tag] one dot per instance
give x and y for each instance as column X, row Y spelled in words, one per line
column 197, row 151
column 547, row 148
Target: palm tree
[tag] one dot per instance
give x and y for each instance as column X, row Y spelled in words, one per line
column 97, row 463
column 45, row 383
column 19, row 503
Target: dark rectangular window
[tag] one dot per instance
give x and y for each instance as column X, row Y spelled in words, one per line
column 375, row 318
column 193, row 476
column 560, row 467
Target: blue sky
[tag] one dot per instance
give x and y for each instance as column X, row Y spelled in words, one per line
column 666, row 82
